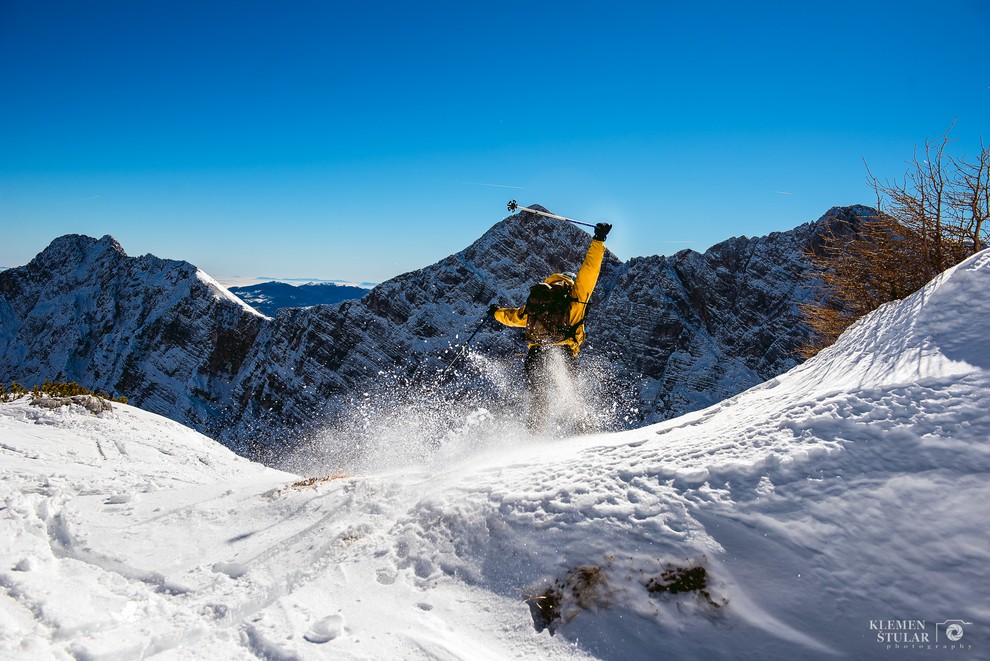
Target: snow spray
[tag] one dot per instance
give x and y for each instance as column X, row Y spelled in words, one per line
column 397, row 424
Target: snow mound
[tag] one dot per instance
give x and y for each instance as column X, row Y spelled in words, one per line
column 939, row 332
column 837, row 510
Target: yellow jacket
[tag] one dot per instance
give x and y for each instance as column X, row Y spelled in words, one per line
column 584, row 284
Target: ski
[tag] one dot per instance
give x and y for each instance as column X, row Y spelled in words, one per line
column 513, row 206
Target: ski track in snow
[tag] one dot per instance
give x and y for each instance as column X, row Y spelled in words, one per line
column 848, row 490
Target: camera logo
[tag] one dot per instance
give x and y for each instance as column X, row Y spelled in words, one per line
column 951, row 630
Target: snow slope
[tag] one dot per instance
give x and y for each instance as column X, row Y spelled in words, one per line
column 838, row 510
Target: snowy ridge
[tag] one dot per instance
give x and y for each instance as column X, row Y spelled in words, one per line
column 222, row 292
column 823, row 506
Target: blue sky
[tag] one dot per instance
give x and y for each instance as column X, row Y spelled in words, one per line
column 362, row 140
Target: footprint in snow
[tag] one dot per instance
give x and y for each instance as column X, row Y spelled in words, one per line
column 325, row 630
column 386, row 576
column 232, row 569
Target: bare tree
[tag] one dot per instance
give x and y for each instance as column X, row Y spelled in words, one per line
column 971, row 198
column 930, row 220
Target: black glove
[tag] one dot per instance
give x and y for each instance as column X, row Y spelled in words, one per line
column 491, row 310
column 601, row 231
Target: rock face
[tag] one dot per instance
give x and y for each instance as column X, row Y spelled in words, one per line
column 693, row 329
column 159, row 330
column 670, row 334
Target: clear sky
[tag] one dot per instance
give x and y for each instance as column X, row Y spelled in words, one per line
column 360, row 140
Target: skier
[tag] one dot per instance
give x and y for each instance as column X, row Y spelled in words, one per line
column 553, row 317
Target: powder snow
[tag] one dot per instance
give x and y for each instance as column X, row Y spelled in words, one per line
column 838, row 510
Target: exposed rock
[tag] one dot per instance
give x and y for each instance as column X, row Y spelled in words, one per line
column 91, row 403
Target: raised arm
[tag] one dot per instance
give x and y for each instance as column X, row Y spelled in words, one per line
column 587, row 276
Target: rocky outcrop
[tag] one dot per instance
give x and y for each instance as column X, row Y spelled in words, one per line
column 667, row 334
column 93, row 404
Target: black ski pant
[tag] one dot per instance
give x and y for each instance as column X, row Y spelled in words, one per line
column 541, row 382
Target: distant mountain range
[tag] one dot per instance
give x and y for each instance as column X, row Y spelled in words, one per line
column 667, row 335
column 269, row 297
column 316, row 281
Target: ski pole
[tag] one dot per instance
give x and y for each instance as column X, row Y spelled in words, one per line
column 460, row 354
column 513, row 206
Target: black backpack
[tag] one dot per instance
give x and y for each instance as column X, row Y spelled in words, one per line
column 548, row 313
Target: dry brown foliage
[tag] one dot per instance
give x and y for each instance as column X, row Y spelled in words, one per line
column 929, row 221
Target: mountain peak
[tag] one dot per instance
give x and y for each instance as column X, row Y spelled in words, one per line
column 76, row 249
column 84, row 243
column 525, row 247
column 854, row 213
column 84, row 310
column 110, row 243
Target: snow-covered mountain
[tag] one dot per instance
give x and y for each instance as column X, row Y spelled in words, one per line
column 270, row 297
column 159, row 331
column 667, row 334
column 836, row 510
